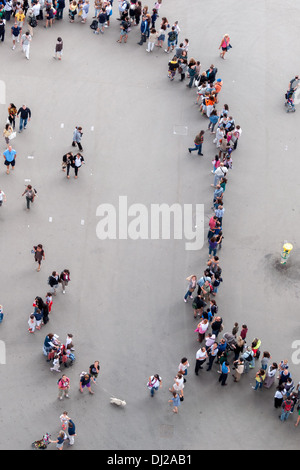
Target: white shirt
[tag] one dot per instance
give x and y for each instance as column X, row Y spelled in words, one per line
column 200, row 354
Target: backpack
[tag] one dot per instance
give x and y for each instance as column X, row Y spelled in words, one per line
column 287, row 406
column 172, row 36
column 94, row 24
column 33, row 22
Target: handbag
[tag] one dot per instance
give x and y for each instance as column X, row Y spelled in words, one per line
column 12, row 135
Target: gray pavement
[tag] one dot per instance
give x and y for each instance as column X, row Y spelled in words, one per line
column 124, row 304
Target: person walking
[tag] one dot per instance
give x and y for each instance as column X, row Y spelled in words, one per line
column 77, row 135
column 58, row 48
column 30, row 195
column 198, row 141
column 53, row 281
column 176, row 401
column 64, row 279
column 154, row 383
column 63, row 387
column 78, row 162
column 225, row 45
column 2, row 197
column 7, row 133
column 25, row 115
column 9, row 158
column 25, row 43
column 67, row 163
column 16, row 30
column 12, row 112
column 39, row 255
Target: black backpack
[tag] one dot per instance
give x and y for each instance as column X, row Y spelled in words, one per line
column 94, row 24
column 33, row 22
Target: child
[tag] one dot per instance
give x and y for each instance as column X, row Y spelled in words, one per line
column 59, row 48
column 176, row 401
column 151, row 40
column 49, row 301
column 31, row 323
column 64, row 418
column 216, row 163
column 55, row 364
column 173, row 66
column 153, row 18
column 69, row 341
column 38, row 317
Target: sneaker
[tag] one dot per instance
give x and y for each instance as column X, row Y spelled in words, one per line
column 185, row 300
column 64, row 291
column 96, row 32
column 13, row 47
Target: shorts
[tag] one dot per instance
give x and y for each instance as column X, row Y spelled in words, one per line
column 171, row 43
column 224, row 48
column 162, row 37
column 86, row 385
column 12, row 163
column 123, row 32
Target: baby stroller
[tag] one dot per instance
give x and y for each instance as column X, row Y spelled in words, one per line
column 289, row 96
column 42, row 443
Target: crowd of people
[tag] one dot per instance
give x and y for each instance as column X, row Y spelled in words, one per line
column 218, row 350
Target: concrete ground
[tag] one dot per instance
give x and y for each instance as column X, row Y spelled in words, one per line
column 124, row 304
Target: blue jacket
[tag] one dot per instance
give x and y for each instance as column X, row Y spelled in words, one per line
column 144, row 26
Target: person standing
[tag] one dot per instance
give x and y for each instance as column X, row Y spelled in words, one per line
column 259, row 379
column 198, row 141
column 192, row 286
column 2, row 30
column 271, row 375
column 2, row 197
column 9, row 158
column 58, row 48
column 201, row 356
column 286, row 409
column 71, row 430
column 85, row 381
column 212, row 354
column 94, row 370
column 154, row 383
column 63, row 387
column 60, row 9
column 39, row 255
column 64, row 279
column 30, row 195
column 25, row 43
column 239, row 369
column 77, row 135
column 25, row 115
column 60, row 440
column 225, row 370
